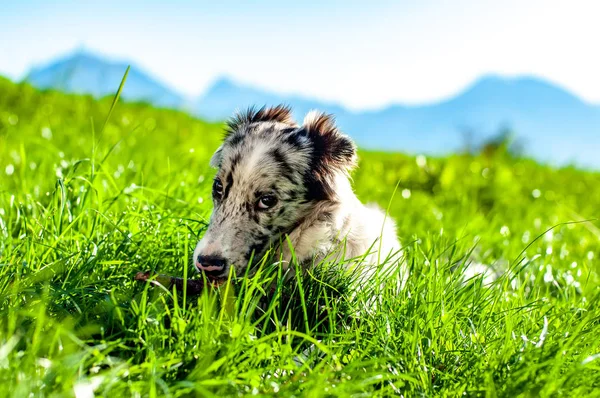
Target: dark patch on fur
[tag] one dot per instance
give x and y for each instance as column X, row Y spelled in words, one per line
column 236, row 139
column 235, row 160
column 281, row 161
column 281, row 211
column 288, row 130
column 280, row 113
column 258, row 247
column 274, row 190
column 295, row 194
column 293, row 139
column 229, row 180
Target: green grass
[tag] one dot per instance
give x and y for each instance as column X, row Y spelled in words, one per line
column 84, row 206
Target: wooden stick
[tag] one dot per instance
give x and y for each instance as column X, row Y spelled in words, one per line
column 194, row 286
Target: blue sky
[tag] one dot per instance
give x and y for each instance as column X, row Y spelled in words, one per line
column 363, row 54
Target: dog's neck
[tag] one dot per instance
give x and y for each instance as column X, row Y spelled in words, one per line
column 325, row 226
column 344, row 229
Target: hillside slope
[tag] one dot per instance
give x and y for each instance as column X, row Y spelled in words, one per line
column 85, row 205
column 552, row 124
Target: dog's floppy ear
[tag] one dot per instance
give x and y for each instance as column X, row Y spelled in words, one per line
column 332, row 153
column 215, row 160
column 331, row 148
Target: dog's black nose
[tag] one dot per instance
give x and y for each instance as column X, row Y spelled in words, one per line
column 211, row 264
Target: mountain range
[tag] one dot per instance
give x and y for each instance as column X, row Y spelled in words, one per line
column 553, row 125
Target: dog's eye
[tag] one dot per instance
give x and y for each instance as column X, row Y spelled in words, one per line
column 217, row 188
column 266, row 202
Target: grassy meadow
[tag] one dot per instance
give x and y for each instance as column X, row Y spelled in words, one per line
column 91, row 193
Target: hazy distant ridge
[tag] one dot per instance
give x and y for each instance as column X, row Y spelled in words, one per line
column 554, row 124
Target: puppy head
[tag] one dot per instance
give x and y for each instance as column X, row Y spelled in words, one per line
column 270, row 174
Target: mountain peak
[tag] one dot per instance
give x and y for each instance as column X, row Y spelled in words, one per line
column 223, row 82
column 522, row 90
column 497, row 81
column 85, row 72
column 225, row 85
column 80, row 56
column 85, row 55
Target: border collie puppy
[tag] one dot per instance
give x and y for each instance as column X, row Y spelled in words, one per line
column 280, row 185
